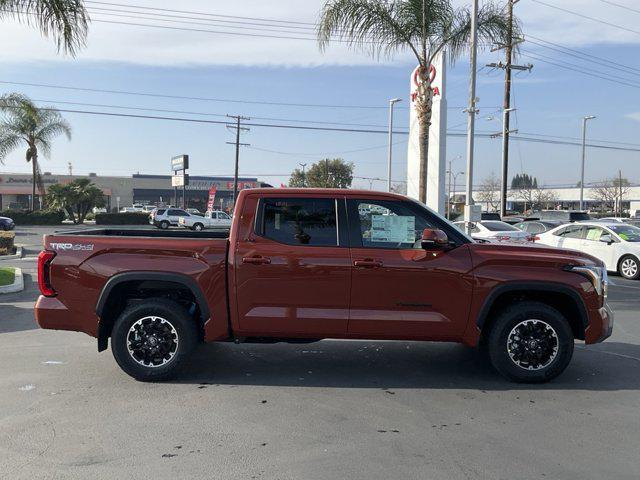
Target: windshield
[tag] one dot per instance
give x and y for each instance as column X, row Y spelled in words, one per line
column 628, row 233
column 499, row 227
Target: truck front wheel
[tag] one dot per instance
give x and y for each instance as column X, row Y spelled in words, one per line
column 150, row 340
column 530, row 342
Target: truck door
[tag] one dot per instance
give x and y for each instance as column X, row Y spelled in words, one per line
column 293, row 271
column 400, row 290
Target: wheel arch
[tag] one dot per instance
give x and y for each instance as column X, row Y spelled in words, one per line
column 111, row 299
column 561, row 297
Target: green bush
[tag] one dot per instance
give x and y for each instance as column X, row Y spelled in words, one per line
column 6, row 242
column 42, row 217
column 130, row 218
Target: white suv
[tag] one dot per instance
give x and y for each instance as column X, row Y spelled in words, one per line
column 165, row 217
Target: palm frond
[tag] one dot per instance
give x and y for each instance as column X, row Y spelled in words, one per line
column 376, row 27
column 9, row 141
column 66, row 21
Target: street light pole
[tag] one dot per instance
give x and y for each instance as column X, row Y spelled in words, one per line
column 505, row 157
column 584, row 148
column 471, row 111
column 392, row 102
column 304, row 175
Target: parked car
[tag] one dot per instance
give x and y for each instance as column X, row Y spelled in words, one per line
column 512, row 220
column 148, row 208
column 96, row 210
column 612, row 219
column 301, row 265
column 129, row 210
column 165, row 217
column 565, row 216
column 6, row 223
column 195, row 211
column 215, row 219
column 616, row 244
column 496, row 232
column 535, row 227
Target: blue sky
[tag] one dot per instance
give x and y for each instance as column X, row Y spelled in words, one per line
column 550, row 100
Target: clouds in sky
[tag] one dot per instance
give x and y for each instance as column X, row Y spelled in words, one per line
column 166, row 47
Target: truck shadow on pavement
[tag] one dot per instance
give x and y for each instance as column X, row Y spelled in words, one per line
column 389, row 365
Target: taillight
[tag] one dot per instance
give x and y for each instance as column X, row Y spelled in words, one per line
column 44, row 280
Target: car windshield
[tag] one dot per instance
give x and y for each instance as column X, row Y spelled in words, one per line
column 628, row 233
column 499, row 226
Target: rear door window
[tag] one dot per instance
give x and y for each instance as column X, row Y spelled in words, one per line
column 572, row 231
column 300, row 221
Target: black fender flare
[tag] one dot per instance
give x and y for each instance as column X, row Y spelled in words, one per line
column 143, row 275
column 532, row 287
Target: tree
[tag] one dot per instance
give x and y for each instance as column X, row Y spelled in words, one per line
column 535, row 197
column 67, row 21
column 23, row 123
column 76, row 198
column 488, row 193
column 423, row 27
column 611, row 191
column 327, row 173
column 524, row 181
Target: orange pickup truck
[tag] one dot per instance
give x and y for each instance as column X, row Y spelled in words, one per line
column 301, row 265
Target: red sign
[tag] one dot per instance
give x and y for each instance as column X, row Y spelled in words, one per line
column 417, row 81
column 212, row 197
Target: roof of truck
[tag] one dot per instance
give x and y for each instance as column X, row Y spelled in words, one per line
column 322, row 191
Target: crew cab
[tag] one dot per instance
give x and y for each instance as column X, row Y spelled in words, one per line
column 301, row 265
column 211, row 219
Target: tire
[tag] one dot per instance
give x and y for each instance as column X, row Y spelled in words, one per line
column 198, row 227
column 544, row 356
column 164, row 225
column 175, row 339
column 629, row 267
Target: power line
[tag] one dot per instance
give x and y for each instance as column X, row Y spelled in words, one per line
column 584, row 57
column 332, row 129
column 637, row 32
column 620, row 6
column 560, row 65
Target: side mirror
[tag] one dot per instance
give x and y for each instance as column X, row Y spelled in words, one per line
column 606, row 239
column 433, row 238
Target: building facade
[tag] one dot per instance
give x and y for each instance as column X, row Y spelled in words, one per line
column 15, row 189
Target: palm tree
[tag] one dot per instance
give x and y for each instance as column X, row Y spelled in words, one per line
column 23, row 123
column 66, row 21
column 423, row 27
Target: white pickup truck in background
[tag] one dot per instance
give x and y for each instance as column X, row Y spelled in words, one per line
column 214, row 220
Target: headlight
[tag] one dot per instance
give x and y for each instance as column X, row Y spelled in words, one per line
column 597, row 275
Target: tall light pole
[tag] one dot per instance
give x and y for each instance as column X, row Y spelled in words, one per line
column 505, row 160
column 304, row 175
column 471, row 111
column 392, row 102
column 584, row 149
column 455, row 176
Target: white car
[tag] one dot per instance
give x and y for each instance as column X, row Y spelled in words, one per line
column 616, row 244
column 165, row 217
column 215, row 219
column 495, row 231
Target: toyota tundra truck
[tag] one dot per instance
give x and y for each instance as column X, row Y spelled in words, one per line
column 302, row 265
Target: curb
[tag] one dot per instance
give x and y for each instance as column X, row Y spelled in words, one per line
column 16, row 286
column 19, row 253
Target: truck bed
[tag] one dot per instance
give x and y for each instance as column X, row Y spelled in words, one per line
column 147, row 232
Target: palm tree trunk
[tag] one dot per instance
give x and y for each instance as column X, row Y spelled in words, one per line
column 424, row 110
column 34, row 168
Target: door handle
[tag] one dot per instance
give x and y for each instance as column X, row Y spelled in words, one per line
column 368, row 263
column 258, row 260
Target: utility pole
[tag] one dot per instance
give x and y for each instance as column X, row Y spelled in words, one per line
column 238, row 119
column 70, row 166
column 620, row 195
column 326, row 173
column 392, row 102
column 471, row 111
column 449, row 195
column 584, row 150
column 508, row 67
column 304, row 175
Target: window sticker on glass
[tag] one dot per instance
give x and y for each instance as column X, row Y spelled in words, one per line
column 393, row 228
column 594, row 234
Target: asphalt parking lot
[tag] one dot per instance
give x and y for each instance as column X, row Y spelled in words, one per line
column 333, row 409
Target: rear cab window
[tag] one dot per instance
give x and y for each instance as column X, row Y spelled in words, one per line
column 299, row 221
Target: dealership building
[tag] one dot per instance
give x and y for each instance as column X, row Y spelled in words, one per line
column 15, row 189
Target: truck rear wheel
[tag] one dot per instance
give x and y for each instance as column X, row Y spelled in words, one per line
column 151, row 339
column 530, row 342
column 198, row 227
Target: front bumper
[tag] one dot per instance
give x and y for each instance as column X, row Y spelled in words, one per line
column 600, row 325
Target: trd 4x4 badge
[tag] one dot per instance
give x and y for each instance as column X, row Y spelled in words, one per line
column 72, row 246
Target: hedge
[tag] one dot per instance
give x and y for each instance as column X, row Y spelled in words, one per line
column 43, row 217
column 6, row 242
column 130, row 218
